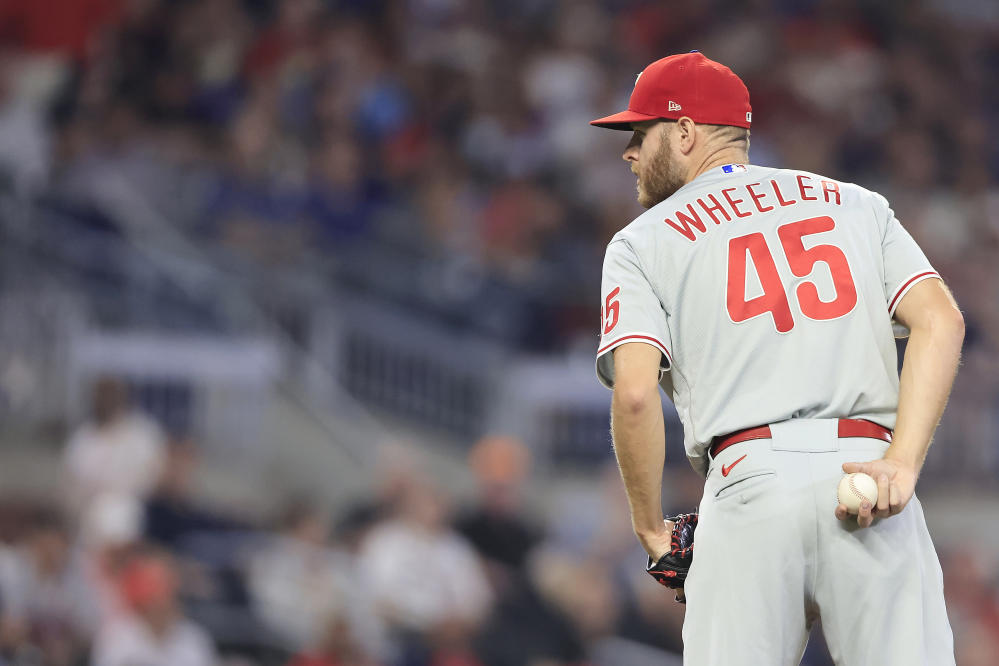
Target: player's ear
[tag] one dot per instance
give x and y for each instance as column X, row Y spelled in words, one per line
column 686, row 130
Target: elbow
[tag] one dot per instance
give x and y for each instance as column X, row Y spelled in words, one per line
column 950, row 326
column 958, row 325
column 943, row 328
column 635, row 398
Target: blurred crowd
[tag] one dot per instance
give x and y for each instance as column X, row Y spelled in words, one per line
column 128, row 564
column 435, row 154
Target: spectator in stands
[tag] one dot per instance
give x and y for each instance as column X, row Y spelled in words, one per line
column 25, row 139
column 48, row 603
column 151, row 631
column 298, row 582
column 497, row 525
column 397, row 469
column 425, row 579
column 172, row 513
column 336, row 647
column 119, row 451
column 208, row 546
column 592, row 608
column 341, row 199
column 110, row 533
column 528, row 627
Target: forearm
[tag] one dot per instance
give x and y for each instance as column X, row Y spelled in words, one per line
column 928, row 370
column 639, row 444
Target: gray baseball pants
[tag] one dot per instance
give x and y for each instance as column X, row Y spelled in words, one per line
column 770, row 558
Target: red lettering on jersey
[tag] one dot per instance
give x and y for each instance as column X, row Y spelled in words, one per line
column 694, row 219
column 732, row 202
column 802, row 262
column 773, row 300
column 780, row 199
column 756, row 198
column 717, row 206
column 611, row 310
column 802, row 187
column 829, row 186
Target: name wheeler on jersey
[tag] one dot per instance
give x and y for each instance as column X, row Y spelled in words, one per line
column 753, row 281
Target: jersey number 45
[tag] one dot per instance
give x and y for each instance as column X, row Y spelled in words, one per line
column 801, row 261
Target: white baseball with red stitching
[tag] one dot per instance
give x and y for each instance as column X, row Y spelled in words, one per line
column 854, row 489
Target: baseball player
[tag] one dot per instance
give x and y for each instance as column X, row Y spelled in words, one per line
column 762, row 301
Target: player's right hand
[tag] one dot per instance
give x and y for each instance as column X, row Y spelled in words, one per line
column 680, row 596
column 896, row 485
column 671, row 568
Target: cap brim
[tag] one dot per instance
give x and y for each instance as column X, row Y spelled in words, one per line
column 622, row 120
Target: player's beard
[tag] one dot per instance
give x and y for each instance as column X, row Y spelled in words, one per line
column 661, row 178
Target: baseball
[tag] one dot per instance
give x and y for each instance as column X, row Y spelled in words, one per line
column 854, row 489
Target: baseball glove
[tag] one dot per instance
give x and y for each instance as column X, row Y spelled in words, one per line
column 671, row 569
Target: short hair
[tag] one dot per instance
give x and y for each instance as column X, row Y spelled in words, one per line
column 730, row 134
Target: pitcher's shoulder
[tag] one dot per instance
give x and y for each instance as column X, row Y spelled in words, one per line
column 642, row 229
column 855, row 192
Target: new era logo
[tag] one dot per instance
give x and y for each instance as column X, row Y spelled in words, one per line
column 749, row 116
column 673, row 106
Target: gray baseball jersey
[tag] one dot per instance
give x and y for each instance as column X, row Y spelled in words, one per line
column 770, row 294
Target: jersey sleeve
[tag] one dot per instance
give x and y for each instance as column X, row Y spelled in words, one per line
column 904, row 262
column 630, row 311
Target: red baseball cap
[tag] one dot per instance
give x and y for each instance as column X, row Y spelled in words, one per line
column 689, row 85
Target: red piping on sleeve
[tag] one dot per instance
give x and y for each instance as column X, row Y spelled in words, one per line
column 658, row 344
column 898, row 294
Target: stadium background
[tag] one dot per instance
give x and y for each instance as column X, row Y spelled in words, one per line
column 343, row 257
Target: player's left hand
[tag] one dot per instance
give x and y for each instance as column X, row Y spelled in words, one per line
column 896, row 484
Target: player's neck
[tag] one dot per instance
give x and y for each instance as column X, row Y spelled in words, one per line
column 717, row 158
